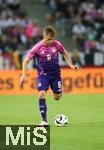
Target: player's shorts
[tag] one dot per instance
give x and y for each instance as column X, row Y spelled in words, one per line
column 44, row 83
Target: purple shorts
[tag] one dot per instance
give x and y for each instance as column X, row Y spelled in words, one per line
column 56, row 84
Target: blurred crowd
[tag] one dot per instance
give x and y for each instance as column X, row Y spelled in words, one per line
column 82, row 20
column 18, row 32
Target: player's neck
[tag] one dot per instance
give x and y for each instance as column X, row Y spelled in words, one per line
column 48, row 42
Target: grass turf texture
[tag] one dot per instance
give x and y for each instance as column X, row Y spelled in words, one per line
column 85, row 112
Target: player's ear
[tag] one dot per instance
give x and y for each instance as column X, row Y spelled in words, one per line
column 44, row 33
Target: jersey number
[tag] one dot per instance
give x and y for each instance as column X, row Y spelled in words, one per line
column 48, row 57
column 59, row 85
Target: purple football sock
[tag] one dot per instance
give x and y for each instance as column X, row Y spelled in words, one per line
column 43, row 109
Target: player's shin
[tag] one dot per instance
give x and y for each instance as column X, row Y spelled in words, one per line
column 43, row 109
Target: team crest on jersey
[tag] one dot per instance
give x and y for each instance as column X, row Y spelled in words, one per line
column 53, row 49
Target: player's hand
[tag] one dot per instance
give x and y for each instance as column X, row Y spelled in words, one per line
column 74, row 67
column 22, row 79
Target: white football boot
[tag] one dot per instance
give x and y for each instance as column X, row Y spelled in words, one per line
column 43, row 124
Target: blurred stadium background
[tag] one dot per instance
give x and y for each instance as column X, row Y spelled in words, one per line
column 79, row 24
column 80, row 28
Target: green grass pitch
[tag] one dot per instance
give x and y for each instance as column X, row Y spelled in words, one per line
column 85, row 130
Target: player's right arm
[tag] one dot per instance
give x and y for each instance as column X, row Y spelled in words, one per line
column 27, row 59
column 24, row 68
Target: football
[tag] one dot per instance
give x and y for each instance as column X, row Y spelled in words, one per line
column 61, row 120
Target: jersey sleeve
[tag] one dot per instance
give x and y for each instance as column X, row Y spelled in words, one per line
column 60, row 47
column 32, row 52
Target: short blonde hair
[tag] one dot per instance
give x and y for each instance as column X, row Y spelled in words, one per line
column 49, row 30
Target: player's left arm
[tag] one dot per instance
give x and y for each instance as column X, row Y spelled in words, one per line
column 66, row 55
column 69, row 60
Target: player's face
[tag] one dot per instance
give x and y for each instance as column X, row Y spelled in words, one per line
column 48, row 38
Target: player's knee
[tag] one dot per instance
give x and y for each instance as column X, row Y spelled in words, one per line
column 57, row 97
column 42, row 94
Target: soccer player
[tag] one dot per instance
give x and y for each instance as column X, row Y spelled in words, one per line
column 48, row 68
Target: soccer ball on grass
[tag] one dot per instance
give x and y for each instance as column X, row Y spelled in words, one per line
column 61, row 120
